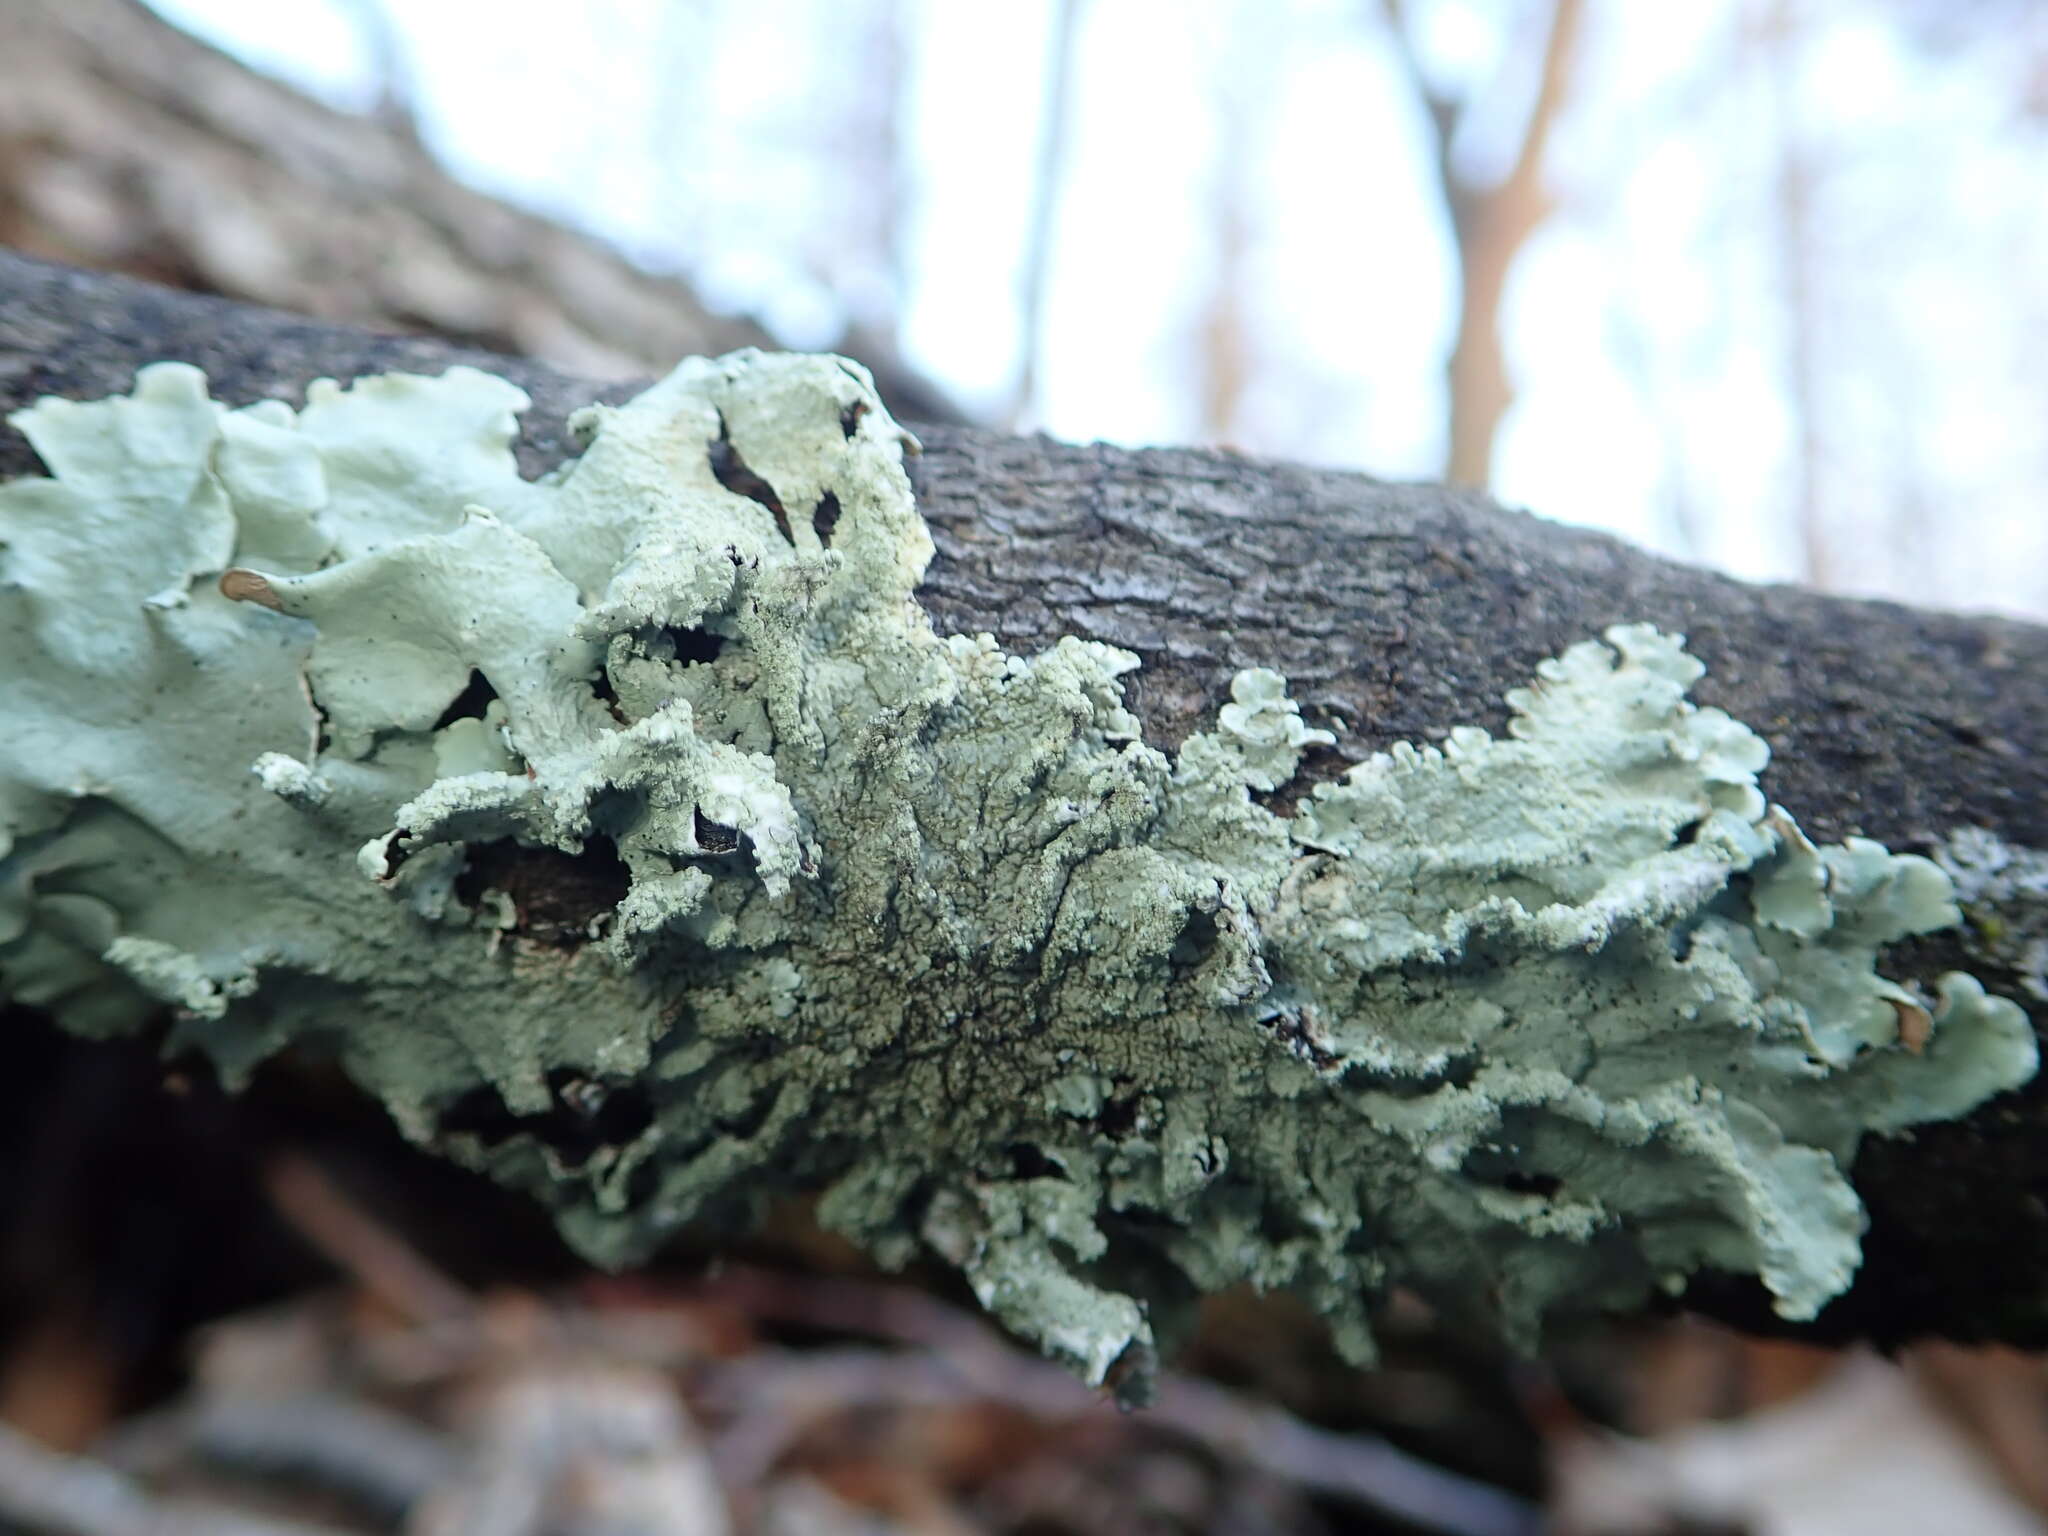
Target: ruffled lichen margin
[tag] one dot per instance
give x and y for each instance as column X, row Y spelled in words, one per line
column 631, row 834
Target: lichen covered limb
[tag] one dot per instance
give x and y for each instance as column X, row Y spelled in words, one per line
column 643, row 803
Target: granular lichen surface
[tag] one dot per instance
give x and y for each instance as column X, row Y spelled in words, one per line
column 632, row 834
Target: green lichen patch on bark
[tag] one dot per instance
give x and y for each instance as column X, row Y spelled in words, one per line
column 296, row 704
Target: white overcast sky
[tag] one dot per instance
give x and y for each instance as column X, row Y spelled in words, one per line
column 1644, row 324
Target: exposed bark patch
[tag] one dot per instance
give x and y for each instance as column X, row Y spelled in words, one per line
column 586, row 1117
column 733, row 473
column 557, row 896
column 715, row 836
column 826, row 518
column 1029, row 1161
column 695, row 645
column 470, row 704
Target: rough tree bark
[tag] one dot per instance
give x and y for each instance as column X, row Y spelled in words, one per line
column 1396, row 612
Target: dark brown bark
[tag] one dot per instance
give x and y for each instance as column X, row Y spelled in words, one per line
column 1396, row 612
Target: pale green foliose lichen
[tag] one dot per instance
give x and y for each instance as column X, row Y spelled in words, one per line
column 316, row 722
column 2003, row 891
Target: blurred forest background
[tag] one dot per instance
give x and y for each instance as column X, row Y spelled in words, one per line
column 1758, row 283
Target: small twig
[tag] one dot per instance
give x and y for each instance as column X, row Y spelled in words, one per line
column 1055, row 130
column 378, row 1461
column 900, row 1313
column 1364, row 1469
column 361, row 1246
column 381, row 1462
column 45, row 1494
column 577, row 1449
column 775, row 1397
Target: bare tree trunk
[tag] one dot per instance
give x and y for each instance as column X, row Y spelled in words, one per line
column 1036, row 279
column 1226, row 346
column 1779, row 40
column 1490, row 223
column 880, row 164
column 1396, row 612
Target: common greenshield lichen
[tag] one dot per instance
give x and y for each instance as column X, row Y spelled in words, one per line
column 632, row 835
column 2003, row 891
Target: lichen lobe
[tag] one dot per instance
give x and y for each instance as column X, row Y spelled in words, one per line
column 1531, row 1023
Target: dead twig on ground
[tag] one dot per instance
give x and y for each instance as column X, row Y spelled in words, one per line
column 46, row 1494
column 773, row 1397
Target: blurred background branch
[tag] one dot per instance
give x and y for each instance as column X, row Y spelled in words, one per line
column 1491, row 220
column 1749, row 281
column 129, row 146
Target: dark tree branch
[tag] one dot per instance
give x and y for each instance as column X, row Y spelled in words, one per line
column 1396, row 612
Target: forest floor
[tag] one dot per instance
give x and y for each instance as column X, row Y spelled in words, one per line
column 265, row 1316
